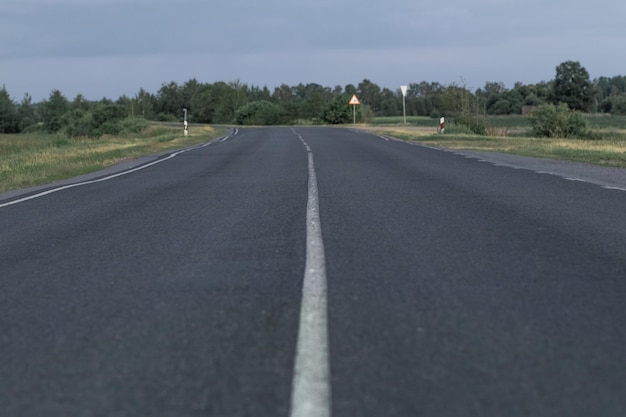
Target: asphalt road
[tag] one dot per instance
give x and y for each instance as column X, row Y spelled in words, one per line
column 456, row 284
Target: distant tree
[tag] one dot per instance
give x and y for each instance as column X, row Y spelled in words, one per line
column 80, row 103
column 501, row 107
column 338, row 111
column 8, row 113
column 53, row 111
column 282, row 94
column 424, row 99
column 390, row 103
column 572, row 86
column 615, row 105
column 350, row 90
column 106, row 118
column 170, row 101
column 127, row 104
column 315, row 100
column 145, row 104
column 254, row 93
column 226, row 99
column 263, row 113
column 370, row 94
column 26, row 113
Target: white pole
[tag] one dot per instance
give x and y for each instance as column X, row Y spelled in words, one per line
column 404, row 108
column 404, row 89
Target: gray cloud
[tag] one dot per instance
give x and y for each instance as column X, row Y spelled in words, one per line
column 114, row 47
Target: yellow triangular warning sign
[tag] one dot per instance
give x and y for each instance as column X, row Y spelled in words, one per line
column 354, row 100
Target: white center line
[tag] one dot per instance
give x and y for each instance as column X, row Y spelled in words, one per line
column 310, row 396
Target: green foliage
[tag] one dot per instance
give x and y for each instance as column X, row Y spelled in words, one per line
column 26, row 113
column 502, row 106
column 572, row 86
column 476, row 125
column 53, row 111
column 311, row 104
column 78, row 123
column 558, row 121
column 261, row 113
column 106, row 118
column 615, row 105
column 338, row 111
column 8, row 113
column 133, row 125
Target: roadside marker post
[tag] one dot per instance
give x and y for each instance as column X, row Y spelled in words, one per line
column 185, row 124
column 354, row 101
column 442, row 124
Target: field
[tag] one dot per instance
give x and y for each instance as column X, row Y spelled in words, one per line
column 510, row 122
column 511, row 134
column 33, row 159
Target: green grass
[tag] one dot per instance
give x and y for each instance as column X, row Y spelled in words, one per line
column 512, row 122
column 33, row 159
column 609, row 151
column 410, row 120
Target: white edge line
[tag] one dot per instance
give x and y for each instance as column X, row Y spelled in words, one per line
column 310, row 396
column 110, row 177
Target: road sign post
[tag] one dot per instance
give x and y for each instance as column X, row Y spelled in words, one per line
column 354, row 101
column 404, row 89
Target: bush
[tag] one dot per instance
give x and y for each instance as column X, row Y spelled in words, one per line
column 338, row 112
column 105, row 119
column 134, row 125
column 559, row 121
column 471, row 124
column 78, row 123
column 261, row 113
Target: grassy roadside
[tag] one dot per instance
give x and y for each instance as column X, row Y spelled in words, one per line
column 610, row 151
column 33, row 159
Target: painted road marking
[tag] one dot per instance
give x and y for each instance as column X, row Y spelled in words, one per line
column 110, row 177
column 310, row 395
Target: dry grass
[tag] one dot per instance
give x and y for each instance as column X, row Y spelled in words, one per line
column 28, row 160
column 607, row 152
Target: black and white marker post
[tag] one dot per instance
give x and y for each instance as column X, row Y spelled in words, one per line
column 185, row 124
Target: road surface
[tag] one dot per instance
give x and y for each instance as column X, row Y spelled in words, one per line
column 436, row 284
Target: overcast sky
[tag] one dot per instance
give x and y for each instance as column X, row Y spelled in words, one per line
column 109, row 48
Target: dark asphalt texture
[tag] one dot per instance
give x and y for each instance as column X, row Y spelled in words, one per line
column 456, row 287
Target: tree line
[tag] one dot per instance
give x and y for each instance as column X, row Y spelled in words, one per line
column 240, row 103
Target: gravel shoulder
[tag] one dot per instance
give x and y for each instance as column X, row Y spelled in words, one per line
column 603, row 176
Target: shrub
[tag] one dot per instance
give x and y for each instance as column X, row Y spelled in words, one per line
column 134, row 124
column 471, row 124
column 558, row 121
column 338, row 112
column 261, row 113
column 78, row 123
